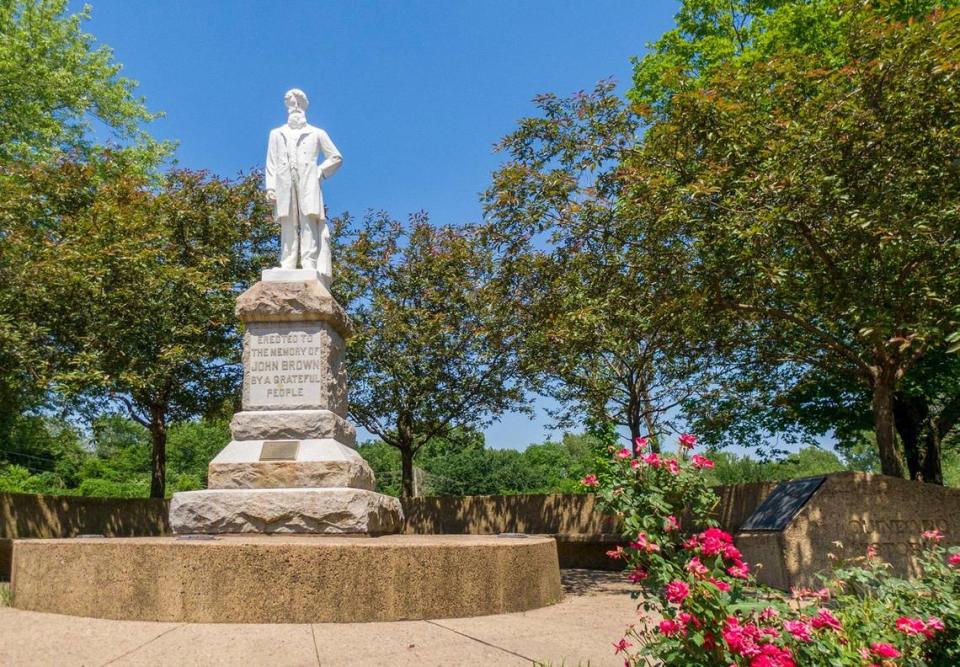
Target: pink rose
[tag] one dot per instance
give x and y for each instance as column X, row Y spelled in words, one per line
column 616, row 554
column 672, row 628
column 624, row 454
column 713, row 541
column 672, row 466
column 677, row 591
column 688, row 441
column 769, row 614
column 824, row 619
column 651, row 459
column 702, row 462
column 884, row 650
column 671, row 524
column 590, row 480
column 799, row 629
column 639, row 444
column 932, row 626
column 721, row 585
column 934, row 535
column 773, row 656
column 621, row 645
column 739, row 570
column 910, row 626
column 730, row 552
column 742, row 639
column 638, row 575
column 955, row 559
column 643, row 544
column 696, row 568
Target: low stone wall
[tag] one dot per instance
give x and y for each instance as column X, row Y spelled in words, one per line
column 582, row 531
column 24, row 515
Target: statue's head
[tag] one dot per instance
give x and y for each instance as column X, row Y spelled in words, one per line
column 296, row 100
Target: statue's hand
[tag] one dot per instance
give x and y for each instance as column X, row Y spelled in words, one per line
column 271, row 195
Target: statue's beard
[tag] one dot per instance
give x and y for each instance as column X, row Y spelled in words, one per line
column 296, row 119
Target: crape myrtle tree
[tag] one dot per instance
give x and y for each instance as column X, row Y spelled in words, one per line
column 134, row 286
column 436, row 342
column 817, row 201
column 612, row 331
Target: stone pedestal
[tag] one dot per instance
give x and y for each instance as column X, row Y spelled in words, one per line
column 291, row 466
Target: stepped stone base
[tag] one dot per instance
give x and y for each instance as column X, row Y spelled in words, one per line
column 292, row 425
column 316, row 511
column 318, row 463
column 290, row 474
column 286, row 578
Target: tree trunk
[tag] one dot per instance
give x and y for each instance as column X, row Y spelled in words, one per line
column 932, row 472
column 649, row 420
column 910, row 415
column 406, row 443
column 406, row 467
column 158, row 434
column 634, row 427
column 884, row 424
column 920, row 435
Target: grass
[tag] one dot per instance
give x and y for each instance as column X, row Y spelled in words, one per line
column 6, row 595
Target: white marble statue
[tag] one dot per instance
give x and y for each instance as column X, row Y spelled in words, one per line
column 293, row 183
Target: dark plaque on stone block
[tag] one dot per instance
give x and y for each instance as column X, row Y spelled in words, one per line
column 779, row 508
column 279, row 450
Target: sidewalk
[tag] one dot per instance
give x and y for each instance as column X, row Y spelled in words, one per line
column 577, row 631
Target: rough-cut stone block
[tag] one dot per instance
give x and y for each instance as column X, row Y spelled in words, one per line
column 317, row 464
column 292, row 302
column 316, row 511
column 292, row 425
column 290, row 474
column 294, row 366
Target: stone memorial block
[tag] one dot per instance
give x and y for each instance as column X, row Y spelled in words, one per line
column 793, row 533
column 291, row 466
column 783, row 503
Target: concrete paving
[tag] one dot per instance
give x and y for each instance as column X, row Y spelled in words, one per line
column 578, row 631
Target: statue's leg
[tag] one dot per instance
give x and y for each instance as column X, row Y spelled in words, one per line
column 309, row 242
column 324, row 263
column 288, row 242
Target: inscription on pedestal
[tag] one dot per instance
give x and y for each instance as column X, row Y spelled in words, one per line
column 288, row 365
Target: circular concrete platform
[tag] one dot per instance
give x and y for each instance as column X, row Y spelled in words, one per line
column 286, row 578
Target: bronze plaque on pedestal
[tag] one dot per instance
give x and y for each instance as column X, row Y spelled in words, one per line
column 279, row 450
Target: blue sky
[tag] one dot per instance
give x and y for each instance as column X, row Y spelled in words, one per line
column 414, row 93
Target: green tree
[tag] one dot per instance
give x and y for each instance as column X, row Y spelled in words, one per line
column 806, row 462
column 435, row 347
column 135, row 287
column 820, row 204
column 54, row 82
column 610, row 333
column 191, row 446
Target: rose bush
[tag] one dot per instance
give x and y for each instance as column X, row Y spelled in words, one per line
column 700, row 605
